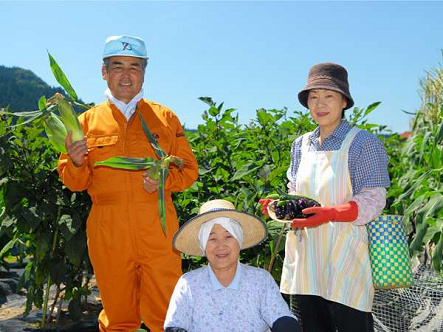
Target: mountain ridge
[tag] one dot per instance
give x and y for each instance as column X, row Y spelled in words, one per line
column 20, row 89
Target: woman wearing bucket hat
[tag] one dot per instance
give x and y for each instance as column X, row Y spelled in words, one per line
column 226, row 295
column 344, row 168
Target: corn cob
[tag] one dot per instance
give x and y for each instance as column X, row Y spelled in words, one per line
column 56, row 131
column 68, row 116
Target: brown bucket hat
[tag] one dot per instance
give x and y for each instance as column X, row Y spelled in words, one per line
column 328, row 76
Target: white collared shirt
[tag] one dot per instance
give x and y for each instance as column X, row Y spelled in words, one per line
column 216, row 285
column 127, row 109
column 251, row 303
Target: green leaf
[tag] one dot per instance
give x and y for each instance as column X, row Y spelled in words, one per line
column 413, row 187
column 75, row 248
column 371, row 107
column 424, row 144
column 161, row 198
column 42, row 245
column 31, row 117
column 246, row 170
column 42, row 103
column 75, row 310
column 25, row 114
column 422, row 227
column 437, row 255
column 431, row 231
column 434, row 205
column 26, row 276
column 61, row 78
column 158, row 150
column 31, row 216
column 220, row 107
column 415, row 205
column 439, row 135
column 8, row 246
column 214, row 111
column 127, row 163
column 29, row 300
column 436, row 158
column 207, row 100
column 69, row 226
column 264, row 172
column 8, row 220
column 57, row 270
column 264, row 118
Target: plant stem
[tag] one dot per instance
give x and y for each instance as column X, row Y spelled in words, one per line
column 280, row 236
column 48, row 285
column 51, row 312
column 45, row 303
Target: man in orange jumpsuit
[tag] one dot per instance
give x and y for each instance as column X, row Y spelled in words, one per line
column 135, row 266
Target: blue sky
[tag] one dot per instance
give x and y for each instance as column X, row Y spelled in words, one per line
column 248, row 54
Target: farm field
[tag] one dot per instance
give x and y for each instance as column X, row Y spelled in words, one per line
column 42, row 223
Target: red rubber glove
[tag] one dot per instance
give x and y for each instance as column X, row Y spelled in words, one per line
column 264, row 205
column 346, row 212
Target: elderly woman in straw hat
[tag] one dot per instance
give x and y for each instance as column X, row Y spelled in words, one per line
column 344, row 168
column 226, row 295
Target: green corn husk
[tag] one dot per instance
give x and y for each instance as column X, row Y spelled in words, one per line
column 154, row 171
column 163, row 164
column 160, row 172
column 56, row 131
column 69, row 117
column 157, row 170
column 127, row 163
column 163, row 173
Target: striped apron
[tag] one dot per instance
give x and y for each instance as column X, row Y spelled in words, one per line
column 330, row 260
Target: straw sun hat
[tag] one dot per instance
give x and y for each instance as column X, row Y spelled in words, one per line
column 186, row 238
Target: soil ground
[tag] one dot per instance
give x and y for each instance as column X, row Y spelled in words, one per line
column 13, row 302
column 12, row 319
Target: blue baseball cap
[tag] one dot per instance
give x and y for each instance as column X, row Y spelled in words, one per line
column 124, row 46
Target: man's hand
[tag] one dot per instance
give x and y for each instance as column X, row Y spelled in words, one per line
column 76, row 151
column 340, row 213
column 149, row 184
column 264, row 205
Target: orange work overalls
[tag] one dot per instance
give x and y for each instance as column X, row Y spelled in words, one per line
column 135, row 266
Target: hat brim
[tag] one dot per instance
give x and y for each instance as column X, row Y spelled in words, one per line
column 128, row 55
column 186, row 238
column 303, row 94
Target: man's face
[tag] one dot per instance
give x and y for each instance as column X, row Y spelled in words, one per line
column 124, row 76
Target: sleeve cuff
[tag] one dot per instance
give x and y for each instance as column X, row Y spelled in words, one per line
column 286, row 324
column 74, row 170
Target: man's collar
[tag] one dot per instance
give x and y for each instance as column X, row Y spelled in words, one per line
column 216, row 285
column 127, row 109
